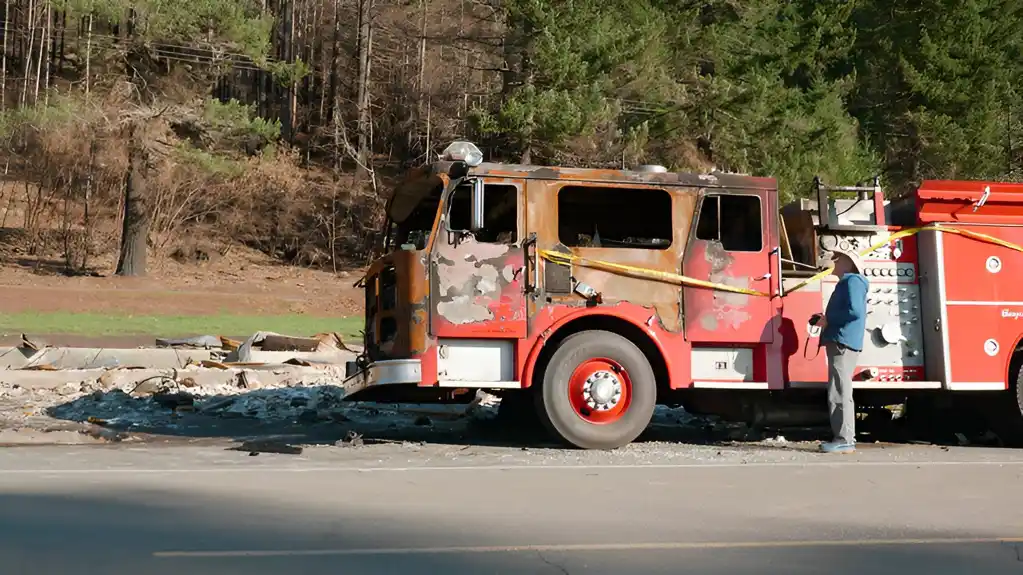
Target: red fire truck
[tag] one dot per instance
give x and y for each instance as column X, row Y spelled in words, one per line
column 593, row 295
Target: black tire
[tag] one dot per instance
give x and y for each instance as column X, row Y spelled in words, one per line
column 1012, row 434
column 1004, row 411
column 556, row 410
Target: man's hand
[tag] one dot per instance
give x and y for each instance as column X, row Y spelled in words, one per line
column 817, row 320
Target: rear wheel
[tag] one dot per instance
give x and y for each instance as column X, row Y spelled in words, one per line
column 1012, row 426
column 1003, row 410
column 599, row 391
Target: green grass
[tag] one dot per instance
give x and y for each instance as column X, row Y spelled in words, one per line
column 96, row 324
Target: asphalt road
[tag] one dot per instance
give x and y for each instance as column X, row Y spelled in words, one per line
column 450, row 509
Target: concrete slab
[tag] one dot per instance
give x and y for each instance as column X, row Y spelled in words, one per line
column 90, row 358
column 12, row 358
column 337, row 358
column 284, row 375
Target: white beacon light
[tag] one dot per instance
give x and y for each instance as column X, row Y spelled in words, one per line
column 463, row 152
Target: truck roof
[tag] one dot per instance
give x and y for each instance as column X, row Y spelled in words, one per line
column 684, row 179
column 419, row 182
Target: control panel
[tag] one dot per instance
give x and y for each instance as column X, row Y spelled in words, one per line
column 893, row 342
column 890, row 252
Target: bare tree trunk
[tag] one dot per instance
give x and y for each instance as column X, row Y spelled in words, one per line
column 422, row 79
column 63, row 31
column 327, row 75
column 28, row 55
column 42, row 50
column 87, row 221
column 49, row 52
column 88, row 57
column 335, row 66
column 288, row 109
column 309, row 81
column 365, row 48
column 135, row 229
column 3, row 66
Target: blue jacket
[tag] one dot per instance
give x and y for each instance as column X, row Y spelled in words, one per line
column 847, row 312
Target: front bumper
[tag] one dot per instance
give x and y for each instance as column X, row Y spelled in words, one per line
column 384, row 372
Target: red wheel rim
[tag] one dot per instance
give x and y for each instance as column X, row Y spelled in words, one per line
column 600, row 390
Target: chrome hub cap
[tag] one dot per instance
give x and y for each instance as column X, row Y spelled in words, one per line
column 602, row 391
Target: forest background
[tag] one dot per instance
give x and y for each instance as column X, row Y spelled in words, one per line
column 138, row 131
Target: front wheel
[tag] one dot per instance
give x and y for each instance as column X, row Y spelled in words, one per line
column 599, row 391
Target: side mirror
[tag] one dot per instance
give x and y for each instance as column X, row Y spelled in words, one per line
column 476, row 205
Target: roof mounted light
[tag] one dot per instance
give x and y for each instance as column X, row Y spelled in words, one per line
column 463, row 152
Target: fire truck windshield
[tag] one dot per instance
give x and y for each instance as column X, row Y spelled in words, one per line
column 499, row 217
column 415, row 229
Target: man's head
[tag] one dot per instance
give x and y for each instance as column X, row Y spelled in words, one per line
column 846, row 262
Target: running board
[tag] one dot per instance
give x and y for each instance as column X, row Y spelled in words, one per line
column 754, row 385
column 870, row 385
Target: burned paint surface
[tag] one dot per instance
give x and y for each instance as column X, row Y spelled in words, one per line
column 661, row 298
column 479, row 289
column 716, row 316
column 722, row 309
column 469, row 289
column 407, row 317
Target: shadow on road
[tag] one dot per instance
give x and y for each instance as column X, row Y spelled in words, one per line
column 110, row 529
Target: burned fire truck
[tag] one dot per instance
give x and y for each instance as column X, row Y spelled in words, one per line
column 592, row 295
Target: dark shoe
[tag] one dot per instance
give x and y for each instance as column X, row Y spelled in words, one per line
column 838, row 447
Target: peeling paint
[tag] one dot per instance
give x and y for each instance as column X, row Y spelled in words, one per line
column 668, row 316
column 419, row 316
column 477, row 283
column 480, row 252
column 462, row 309
column 485, row 280
column 724, row 298
column 729, row 308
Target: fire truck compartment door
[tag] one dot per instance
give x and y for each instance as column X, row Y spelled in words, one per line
column 478, row 290
column 729, row 245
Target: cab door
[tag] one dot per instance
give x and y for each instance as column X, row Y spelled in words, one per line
column 477, row 279
column 731, row 245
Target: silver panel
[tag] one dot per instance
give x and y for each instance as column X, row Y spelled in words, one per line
column 386, row 372
column 476, row 360
column 727, row 363
column 932, row 306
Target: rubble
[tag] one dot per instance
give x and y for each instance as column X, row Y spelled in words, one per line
column 197, row 387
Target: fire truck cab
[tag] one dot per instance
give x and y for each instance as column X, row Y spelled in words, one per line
column 592, row 295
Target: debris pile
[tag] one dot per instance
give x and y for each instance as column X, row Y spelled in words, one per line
column 202, row 386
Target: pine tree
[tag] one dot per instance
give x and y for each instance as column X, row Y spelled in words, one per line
column 937, row 86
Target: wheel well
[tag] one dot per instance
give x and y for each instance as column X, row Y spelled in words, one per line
column 1015, row 362
column 614, row 325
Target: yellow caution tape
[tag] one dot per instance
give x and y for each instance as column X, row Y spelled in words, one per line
column 913, row 231
column 570, row 259
column 567, row 259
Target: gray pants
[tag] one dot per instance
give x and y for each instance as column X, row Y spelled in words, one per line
column 841, row 364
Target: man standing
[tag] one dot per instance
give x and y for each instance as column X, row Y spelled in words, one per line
column 842, row 329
